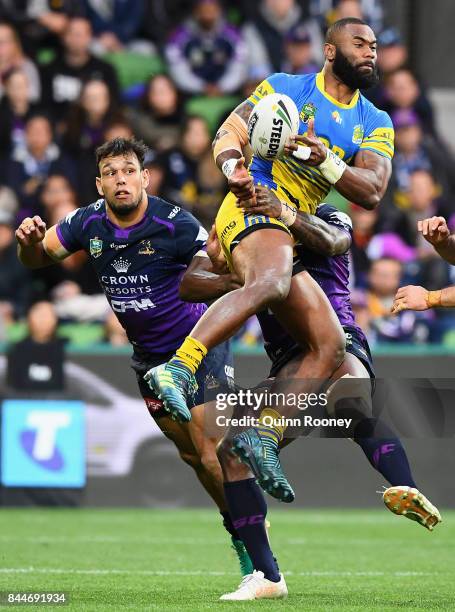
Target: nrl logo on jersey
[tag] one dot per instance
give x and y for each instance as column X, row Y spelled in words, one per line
column 308, row 111
column 357, row 134
column 147, row 248
column 96, row 247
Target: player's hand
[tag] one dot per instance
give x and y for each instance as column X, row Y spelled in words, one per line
column 434, row 230
column 267, row 203
column 31, row 231
column 215, row 253
column 241, row 183
column 411, row 297
column 318, row 150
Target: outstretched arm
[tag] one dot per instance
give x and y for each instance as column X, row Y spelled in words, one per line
column 32, row 237
column 228, row 147
column 415, row 297
column 436, row 232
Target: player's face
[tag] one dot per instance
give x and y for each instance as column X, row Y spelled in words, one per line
column 354, row 57
column 122, row 183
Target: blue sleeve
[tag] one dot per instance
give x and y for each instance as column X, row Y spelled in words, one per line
column 71, row 229
column 279, row 82
column 190, row 237
column 379, row 135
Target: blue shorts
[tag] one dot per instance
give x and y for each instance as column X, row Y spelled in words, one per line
column 215, row 374
column 356, row 344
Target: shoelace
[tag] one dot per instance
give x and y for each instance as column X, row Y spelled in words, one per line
column 249, row 578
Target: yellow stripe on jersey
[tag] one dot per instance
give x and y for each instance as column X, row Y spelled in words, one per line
column 381, row 141
column 299, row 185
column 263, row 89
column 320, row 84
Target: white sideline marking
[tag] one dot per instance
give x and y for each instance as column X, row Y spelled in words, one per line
column 102, row 572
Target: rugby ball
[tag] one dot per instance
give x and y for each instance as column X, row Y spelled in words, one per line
column 272, row 121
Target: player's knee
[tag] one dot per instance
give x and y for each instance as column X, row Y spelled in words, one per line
column 270, row 290
column 332, row 353
column 191, row 459
column 211, row 464
column 226, row 459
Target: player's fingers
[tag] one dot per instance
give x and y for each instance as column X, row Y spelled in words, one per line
column 401, row 292
column 258, row 210
column 425, row 227
column 20, row 236
column 303, row 153
column 240, row 162
column 419, row 226
column 432, row 225
column 310, row 124
column 304, row 140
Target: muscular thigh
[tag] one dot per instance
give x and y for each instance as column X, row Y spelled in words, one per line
column 307, row 313
column 233, row 225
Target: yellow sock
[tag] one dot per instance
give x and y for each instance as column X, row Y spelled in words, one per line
column 271, row 421
column 191, row 353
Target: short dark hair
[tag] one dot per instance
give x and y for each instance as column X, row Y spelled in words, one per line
column 122, row 146
column 339, row 25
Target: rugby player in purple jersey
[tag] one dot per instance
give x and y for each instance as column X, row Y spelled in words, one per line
column 140, row 247
column 326, row 237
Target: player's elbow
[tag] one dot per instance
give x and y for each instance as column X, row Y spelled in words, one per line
column 370, row 202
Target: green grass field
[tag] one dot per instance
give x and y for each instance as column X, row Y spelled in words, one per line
column 181, row 560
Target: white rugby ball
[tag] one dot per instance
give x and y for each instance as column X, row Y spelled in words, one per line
column 272, row 121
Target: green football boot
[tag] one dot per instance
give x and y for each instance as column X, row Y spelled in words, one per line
column 260, row 453
column 176, row 386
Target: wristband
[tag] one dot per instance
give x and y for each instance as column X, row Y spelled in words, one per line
column 229, row 166
column 288, row 215
column 332, row 168
column 434, row 298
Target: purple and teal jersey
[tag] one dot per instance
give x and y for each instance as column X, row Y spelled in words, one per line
column 139, row 268
column 331, row 274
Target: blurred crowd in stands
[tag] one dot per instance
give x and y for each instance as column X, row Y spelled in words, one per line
column 74, row 73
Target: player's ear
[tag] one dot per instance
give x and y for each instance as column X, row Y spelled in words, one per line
column 329, row 52
column 98, row 186
column 145, row 178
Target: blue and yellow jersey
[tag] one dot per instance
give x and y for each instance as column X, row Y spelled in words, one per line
column 344, row 128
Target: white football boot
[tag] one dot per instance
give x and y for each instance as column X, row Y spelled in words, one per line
column 255, row 586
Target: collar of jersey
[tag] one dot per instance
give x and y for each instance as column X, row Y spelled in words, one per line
column 320, row 84
column 128, row 228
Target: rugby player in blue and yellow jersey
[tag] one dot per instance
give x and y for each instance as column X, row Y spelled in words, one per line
column 351, row 146
column 140, row 247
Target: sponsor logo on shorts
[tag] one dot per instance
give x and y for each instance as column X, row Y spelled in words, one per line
column 153, row 404
column 228, row 229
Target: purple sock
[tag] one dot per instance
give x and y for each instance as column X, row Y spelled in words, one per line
column 248, row 510
column 384, row 451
